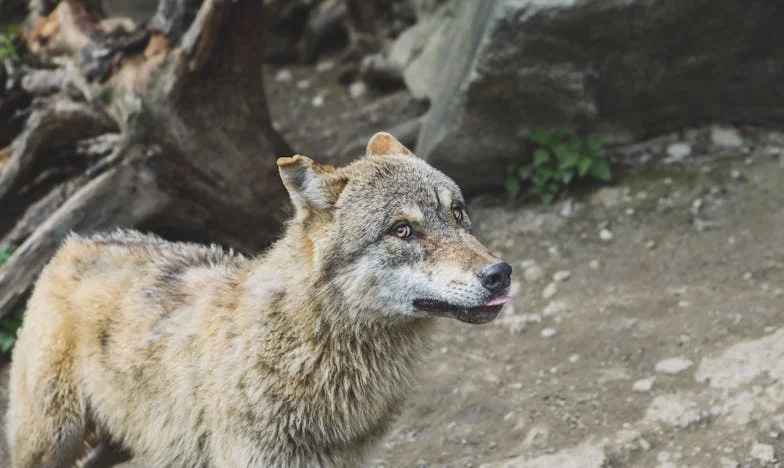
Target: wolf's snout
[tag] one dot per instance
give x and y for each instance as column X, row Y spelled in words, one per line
column 496, row 277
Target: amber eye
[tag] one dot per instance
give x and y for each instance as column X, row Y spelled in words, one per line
column 403, row 231
column 458, row 214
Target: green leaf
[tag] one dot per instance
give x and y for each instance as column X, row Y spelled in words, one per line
column 547, row 198
column 561, row 152
column 543, row 174
column 6, row 343
column 5, row 253
column 9, row 325
column 594, row 144
column 512, row 187
column 584, row 166
column 567, row 177
column 575, row 145
column 526, row 172
column 540, row 138
column 601, row 170
column 541, row 156
column 569, row 159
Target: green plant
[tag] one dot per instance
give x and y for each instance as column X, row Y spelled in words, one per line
column 10, row 323
column 7, row 47
column 8, row 327
column 559, row 160
column 5, row 253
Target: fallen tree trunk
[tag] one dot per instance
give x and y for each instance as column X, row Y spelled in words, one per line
column 164, row 128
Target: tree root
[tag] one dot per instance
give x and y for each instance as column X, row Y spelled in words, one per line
column 163, row 128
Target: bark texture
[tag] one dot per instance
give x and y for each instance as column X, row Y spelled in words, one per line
column 163, row 126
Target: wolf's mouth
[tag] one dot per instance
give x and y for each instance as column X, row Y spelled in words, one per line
column 473, row 315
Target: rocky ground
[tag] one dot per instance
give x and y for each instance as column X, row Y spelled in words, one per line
column 646, row 327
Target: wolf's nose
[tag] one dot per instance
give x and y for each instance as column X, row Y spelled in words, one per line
column 496, row 277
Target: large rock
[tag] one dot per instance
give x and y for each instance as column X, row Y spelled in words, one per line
column 495, row 70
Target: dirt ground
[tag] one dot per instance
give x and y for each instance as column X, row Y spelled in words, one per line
column 647, row 327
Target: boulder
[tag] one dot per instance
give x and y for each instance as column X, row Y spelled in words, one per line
column 495, row 70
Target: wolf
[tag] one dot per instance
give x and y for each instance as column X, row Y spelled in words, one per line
column 181, row 355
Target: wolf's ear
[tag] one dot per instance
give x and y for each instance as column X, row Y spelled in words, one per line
column 311, row 186
column 383, row 144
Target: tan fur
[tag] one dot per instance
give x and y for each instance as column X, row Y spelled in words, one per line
column 187, row 356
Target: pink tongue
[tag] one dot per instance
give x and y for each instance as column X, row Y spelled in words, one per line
column 499, row 301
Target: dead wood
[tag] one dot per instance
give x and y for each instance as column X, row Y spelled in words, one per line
column 163, row 128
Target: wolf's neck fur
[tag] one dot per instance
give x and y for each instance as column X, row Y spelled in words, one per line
column 346, row 376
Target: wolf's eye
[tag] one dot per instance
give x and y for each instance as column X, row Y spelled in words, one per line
column 403, row 231
column 458, row 214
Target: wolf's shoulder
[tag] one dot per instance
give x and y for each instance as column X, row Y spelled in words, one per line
column 158, row 249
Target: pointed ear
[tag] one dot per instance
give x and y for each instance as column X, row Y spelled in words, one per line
column 382, row 144
column 311, row 186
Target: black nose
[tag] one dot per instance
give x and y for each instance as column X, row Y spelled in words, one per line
column 496, row 277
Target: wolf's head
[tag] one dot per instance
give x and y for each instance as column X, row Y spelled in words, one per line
column 390, row 235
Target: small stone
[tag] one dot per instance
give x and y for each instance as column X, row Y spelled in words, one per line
column 567, row 209
column 606, row 235
column 650, row 245
column 549, row 291
column 629, row 211
column 763, row 452
column 726, row 137
column 357, row 89
column 554, row 308
column 673, row 366
column 533, row 274
column 677, row 152
column 548, row 333
column 747, row 276
column 643, row 385
column 696, row 205
column 318, row 101
column 562, row 275
column 527, row 263
column 593, row 264
column 735, row 174
column 644, row 444
column 574, row 358
column 283, row 76
column 303, row 84
column 325, row 66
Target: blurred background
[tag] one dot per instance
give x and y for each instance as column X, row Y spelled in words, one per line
column 623, row 155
